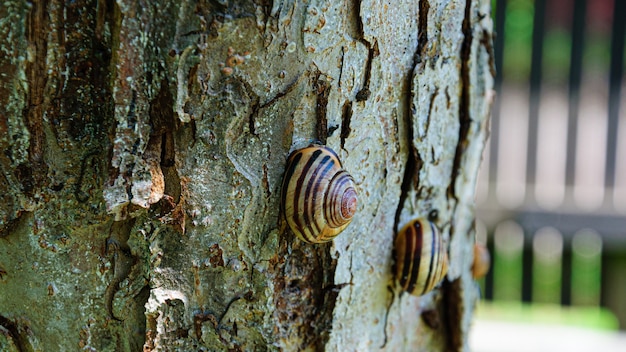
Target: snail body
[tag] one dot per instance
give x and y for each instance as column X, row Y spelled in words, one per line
column 421, row 261
column 318, row 198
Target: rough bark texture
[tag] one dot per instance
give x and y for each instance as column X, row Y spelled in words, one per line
column 143, row 151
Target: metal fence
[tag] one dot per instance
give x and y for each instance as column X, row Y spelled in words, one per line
column 552, row 189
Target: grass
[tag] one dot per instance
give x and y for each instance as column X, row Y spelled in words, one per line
column 583, row 317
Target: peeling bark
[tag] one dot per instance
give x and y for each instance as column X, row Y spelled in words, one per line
column 144, row 147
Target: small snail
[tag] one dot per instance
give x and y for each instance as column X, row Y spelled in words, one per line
column 318, row 197
column 482, row 261
column 421, row 259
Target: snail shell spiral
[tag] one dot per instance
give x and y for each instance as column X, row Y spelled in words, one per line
column 318, row 197
column 421, row 259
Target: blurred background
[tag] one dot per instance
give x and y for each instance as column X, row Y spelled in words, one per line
column 551, row 197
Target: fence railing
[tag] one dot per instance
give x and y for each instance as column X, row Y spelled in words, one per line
column 552, row 191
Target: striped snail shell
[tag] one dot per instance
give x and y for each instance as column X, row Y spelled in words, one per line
column 318, row 197
column 421, row 259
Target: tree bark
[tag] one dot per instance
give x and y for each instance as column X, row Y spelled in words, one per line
column 144, row 146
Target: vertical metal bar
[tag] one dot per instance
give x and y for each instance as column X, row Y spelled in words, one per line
column 527, row 269
column 575, row 73
column 500, row 16
column 535, row 88
column 566, row 272
column 488, row 294
column 615, row 85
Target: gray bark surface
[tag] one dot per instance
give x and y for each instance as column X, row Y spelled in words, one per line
column 144, row 146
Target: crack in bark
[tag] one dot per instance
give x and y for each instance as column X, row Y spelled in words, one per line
column 453, row 299
column 431, row 104
column 255, row 105
column 291, row 86
column 465, row 118
column 343, row 58
column 430, row 317
column 168, row 150
column 453, row 303
column 346, row 117
column 265, row 181
column 121, row 258
column 414, row 159
column 36, row 73
column 16, row 333
column 322, row 91
column 422, row 37
column 199, row 318
column 364, row 93
column 160, row 152
column 252, row 117
column 372, row 52
column 131, row 120
column 358, row 19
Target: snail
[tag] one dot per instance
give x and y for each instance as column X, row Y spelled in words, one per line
column 482, row 261
column 421, row 259
column 318, row 198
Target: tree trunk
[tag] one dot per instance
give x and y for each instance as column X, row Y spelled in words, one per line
column 144, row 149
